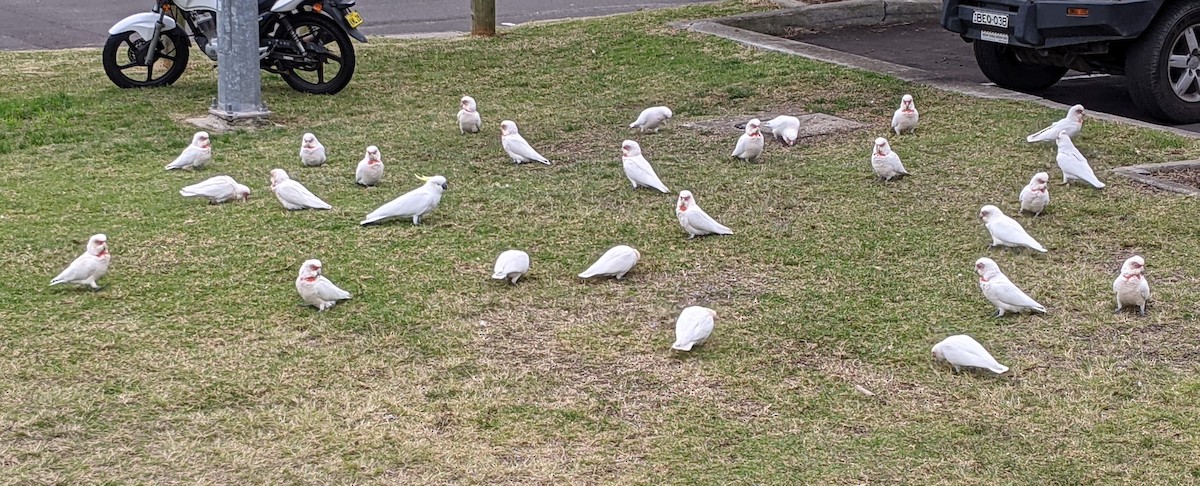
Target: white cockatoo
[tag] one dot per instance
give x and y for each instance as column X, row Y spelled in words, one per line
column 694, row 220
column 615, row 262
column 515, row 145
column 413, row 204
column 194, row 156
column 511, row 265
column 315, row 289
column 1072, row 163
column 312, row 153
column 750, row 144
column 1006, row 231
column 217, row 190
column 652, row 118
column 468, row 116
column 886, row 162
column 1072, row 124
column 370, row 168
column 1001, row 292
column 963, row 351
column 906, row 117
column 292, row 194
column 1036, row 195
column 88, row 267
column 638, row 169
column 693, row 327
column 1130, row 286
column 785, row 128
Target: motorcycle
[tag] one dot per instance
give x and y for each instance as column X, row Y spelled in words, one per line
column 306, row 42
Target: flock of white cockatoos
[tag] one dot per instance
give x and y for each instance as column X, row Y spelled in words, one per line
column 695, row 323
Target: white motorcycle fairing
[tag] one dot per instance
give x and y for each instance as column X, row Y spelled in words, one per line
column 281, row 6
column 142, row 23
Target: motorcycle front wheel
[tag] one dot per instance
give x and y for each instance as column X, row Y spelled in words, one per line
column 329, row 55
column 125, row 57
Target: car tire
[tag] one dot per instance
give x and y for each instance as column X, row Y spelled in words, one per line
column 1001, row 66
column 1149, row 75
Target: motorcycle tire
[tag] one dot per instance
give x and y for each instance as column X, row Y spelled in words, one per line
column 317, row 29
column 123, row 53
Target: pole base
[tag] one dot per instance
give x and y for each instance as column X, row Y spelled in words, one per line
column 225, row 123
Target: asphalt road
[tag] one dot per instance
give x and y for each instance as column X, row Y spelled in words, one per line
column 927, row 46
column 58, row 24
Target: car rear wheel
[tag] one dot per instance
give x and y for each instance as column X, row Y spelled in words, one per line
column 1000, row 64
column 1162, row 68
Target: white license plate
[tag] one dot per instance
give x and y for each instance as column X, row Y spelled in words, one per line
column 993, row 36
column 994, row 19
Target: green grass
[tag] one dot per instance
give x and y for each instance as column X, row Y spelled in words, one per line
column 197, row 363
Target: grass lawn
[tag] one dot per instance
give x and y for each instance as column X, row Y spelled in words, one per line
column 197, row 363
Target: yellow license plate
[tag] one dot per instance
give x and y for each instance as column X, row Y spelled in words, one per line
column 354, row 19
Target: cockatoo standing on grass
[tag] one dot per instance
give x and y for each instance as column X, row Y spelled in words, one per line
column 750, row 144
column 1130, row 286
column 292, row 194
column 315, row 289
column 370, row 168
column 194, row 156
column 784, row 128
column 906, row 117
column 615, row 262
column 885, row 162
column 1001, row 292
column 638, row 169
column 693, row 327
column 1006, row 231
column 312, row 153
column 515, row 145
column 652, row 118
column 1072, row 163
column 694, row 220
column 413, row 204
column 217, row 190
column 468, row 116
column 963, row 351
column 511, row 265
column 1036, row 195
column 1072, row 124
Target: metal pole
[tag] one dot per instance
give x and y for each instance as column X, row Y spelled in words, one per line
column 483, row 17
column 239, row 84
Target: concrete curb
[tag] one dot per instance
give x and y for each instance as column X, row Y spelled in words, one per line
column 1144, row 173
column 852, row 14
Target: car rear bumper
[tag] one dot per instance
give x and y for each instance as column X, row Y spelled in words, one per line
column 1047, row 24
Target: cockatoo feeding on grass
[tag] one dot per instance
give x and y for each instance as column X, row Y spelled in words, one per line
column 784, row 128
column 693, row 327
column 511, row 265
column 315, row 289
column 194, row 156
column 217, row 190
column 615, row 262
column 963, row 351
column 413, row 204
column 88, row 267
column 652, row 118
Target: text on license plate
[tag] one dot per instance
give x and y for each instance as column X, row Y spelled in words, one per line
column 988, row 18
column 355, row 20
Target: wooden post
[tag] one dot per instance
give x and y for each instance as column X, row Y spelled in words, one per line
column 483, row 17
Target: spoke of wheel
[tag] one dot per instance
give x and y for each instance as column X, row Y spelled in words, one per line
column 126, row 66
column 150, row 72
column 169, row 58
column 1178, row 61
column 1189, row 34
column 1186, row 80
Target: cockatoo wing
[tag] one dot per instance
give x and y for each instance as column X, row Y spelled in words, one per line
column 1008, row 293
column 1050, row 133
column 1073, row 164
column 740, row 148
column 639, row 170
column 511, row 261
column 296, row 194
column 186, row 158
column 700, row 220
column 326, row 290
column 81, row 268
column 1009, row 230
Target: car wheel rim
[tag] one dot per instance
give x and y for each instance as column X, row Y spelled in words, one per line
column 1183, row 64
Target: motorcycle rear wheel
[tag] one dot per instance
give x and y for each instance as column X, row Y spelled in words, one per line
column 328, row 43
column 125, row 54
